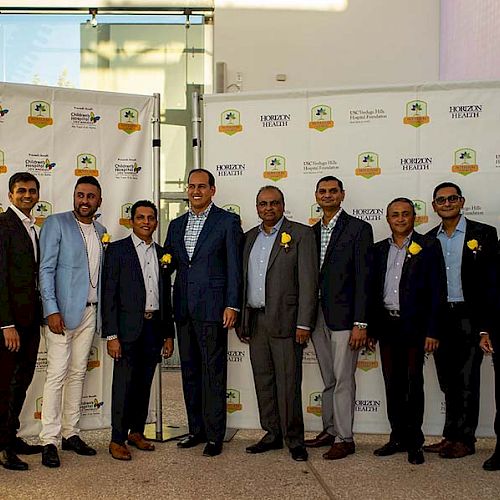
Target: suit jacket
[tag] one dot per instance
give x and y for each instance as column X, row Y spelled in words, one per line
column 124, row 293
column 19, row 297
column 479, row 274
column 291, row 281
column 422, row 291
column 64, row 269
column 211, row 280
column 343, row 277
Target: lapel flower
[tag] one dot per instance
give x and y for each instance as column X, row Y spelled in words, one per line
column 474, row 246
column 165, row 260
column 285, row 240
column 105, row 239
column 413, row 249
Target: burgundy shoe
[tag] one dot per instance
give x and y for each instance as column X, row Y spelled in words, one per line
column 340, row 450
column 437, row 447
column 457, row 449
column 322, row 439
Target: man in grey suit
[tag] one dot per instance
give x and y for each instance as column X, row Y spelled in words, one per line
column 280, row 290
column 343, row 242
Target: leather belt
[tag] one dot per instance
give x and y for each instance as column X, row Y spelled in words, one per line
column 89, row 304
column 258, row 309
column 393, row 313
column 150, row 314
column 456, row 305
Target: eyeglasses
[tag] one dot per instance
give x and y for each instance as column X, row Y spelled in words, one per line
column 441, row 200
column 273, row 203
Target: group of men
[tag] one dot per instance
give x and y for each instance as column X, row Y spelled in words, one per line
column 280, row 285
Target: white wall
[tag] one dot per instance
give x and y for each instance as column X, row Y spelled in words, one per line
column 373, row 41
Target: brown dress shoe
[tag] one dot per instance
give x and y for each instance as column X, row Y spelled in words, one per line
column 322, row 439
column 340, row 450
column 140, row 442
column 119, row 451
column 457, row 449
column 437, row 447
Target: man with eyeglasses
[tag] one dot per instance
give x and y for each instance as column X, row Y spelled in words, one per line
column 469, row 250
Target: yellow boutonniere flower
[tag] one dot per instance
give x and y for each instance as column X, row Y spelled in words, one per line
column 473, row 245
column 285, row 240
column 414, row 248
column 106, row 238
column 166, row 259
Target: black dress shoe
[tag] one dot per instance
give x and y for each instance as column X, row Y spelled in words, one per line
column 299, row 454
column 76, row 444
column 11, row 461
column 21, row 447
column 262, row 447
column 322, row 439
column 389, row 449
column 50, row 457
column 416, row 457
column 493, row 463
column 191, row 440
column 212, row 449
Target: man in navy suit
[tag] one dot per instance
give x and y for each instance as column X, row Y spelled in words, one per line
column 137, row 321
column 470, row 252
column 408, row 296
column 205, row 245
column 20, row 313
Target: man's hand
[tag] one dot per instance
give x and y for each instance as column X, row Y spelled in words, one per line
column 485, row 344
column 229, row 317
column 239, row 333
column 12, row 340
column 56, row 323
column 115, row 349
column 302, row 336
column 430, row 344
column 371, row 343
column 358, row 338
column 168, row 348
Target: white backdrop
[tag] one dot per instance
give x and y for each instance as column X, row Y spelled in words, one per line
column 383, row 142
column 59, row 134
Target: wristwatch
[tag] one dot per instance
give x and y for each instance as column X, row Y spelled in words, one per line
column 361, row 326
column 111, row 337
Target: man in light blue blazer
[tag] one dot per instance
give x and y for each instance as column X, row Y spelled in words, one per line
column 72, row 252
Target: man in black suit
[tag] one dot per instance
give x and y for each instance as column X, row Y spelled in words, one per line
column 343, row 243
column 137, row 321
column 469, row 250
column 205, row 244
column 20, row 313
column 407, row 300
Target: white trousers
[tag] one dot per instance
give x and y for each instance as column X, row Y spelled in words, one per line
column 67, row 358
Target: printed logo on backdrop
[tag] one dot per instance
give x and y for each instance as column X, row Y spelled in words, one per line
column 125, row 213
column 39, row 164
column 368, row 165
column 315, row 403
column 367, row 405
column 232, row 208
column 84, row 118
column 129, row 120
column 127, row 168
column 309, row 355
column 366, row 115
column 368, row 214
column 41, row 361
column 91, row 405
column 275, row 120
column 421, row 212
column 3, row 166
column 321, row 118
column 316, row 214
column 41, row 211
column 465, row 162
column 319, row 166
column 233, row 402
column 38, row 408
column 93, row 361
column 275, row 168
column 416, row 114
column 40, row 114
column 473, row 210
column 230, row 122
column 466, row 111
column 86, row 164
column 415, row 163
column 3, row 112
column 235, row 356
column 230, row 169
column 367, row 360
column 497, row 161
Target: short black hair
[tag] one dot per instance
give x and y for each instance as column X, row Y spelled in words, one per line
column 88, row 179
column 401, row 199
column 446, row 185
column 143, row 203
column 22, row 177
column 265, row 188
column 329, row 178
column 211, row 178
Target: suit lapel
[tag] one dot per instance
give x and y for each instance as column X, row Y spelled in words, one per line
column 285, row 228
column 23, row 234
column 408, row 257
column 210, row 223
column 337, row 231
column 134, row 261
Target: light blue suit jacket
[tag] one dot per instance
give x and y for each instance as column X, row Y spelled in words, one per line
column 64, row 269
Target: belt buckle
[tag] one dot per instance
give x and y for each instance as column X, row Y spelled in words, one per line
column 148, row 315
column 393, row 313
